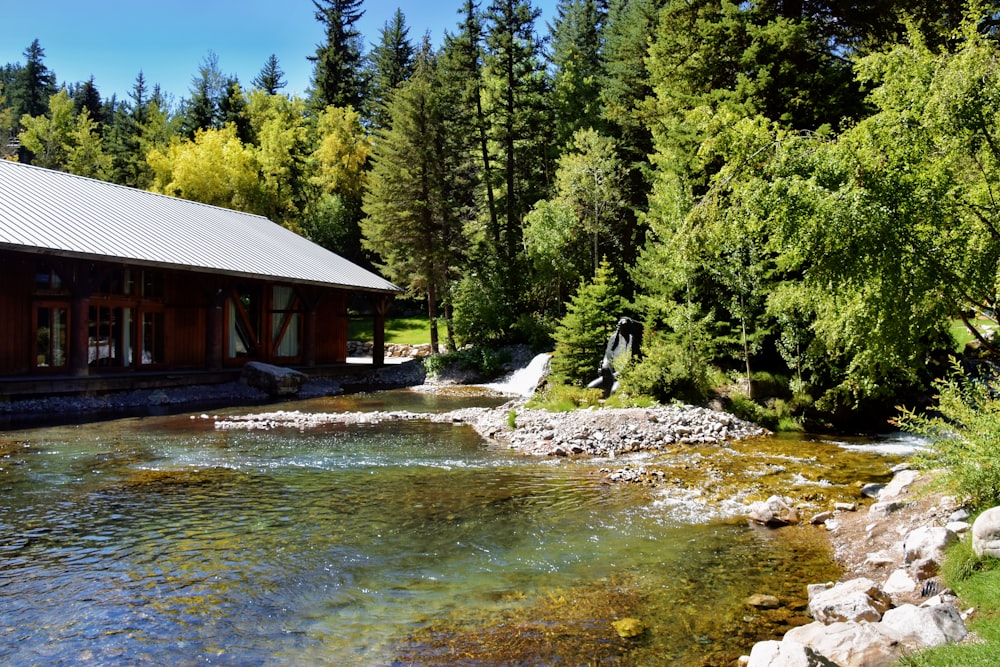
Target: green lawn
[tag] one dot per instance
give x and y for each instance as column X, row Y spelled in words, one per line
column 960, row 333
column 398, row 330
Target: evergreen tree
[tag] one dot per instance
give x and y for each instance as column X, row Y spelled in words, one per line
column 338, row 73
column 270, row 78
column 583, row 333
column 86, row 96
column 575, row 47
column 33, row 84
column 391, row 63
column 208, row 90
column 520, row 123
column 414, row 223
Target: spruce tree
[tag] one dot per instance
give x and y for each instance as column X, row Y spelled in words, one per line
column 270, row 78
column 338, row 73
column 391, row 63
column 583, row 333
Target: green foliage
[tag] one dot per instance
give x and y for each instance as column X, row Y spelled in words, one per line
column 965, row 434
column 559, row 397
column 486, row 361
column 583, row 333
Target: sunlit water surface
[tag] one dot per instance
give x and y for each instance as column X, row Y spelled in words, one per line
column 162, row 541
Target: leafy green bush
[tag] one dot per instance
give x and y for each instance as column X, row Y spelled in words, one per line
column 486, row 361
column 558, row 397
column 965, row 434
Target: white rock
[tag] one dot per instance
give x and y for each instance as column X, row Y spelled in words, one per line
column 921, row 627
column 855, row 600
column 848, row 644
column 899, row 485
column 899, row 582
column 927, row 542
column 785, row 654
column 986, row 533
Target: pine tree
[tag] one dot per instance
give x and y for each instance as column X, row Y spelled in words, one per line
column 270, row 77
column 575, row 39
column 414, row 223
column 391, row 63
column 583, row 333
column 338, row 78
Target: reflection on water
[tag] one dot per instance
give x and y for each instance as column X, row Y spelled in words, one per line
column 163, row 541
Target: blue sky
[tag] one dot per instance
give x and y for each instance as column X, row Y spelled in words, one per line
column 114, row 39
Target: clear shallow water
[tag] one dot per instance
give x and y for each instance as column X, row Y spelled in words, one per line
column 162, row 541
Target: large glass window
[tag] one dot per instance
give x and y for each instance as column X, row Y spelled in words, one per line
column 244, row 322
column 110, row 336
column 152, row 338
column 51, row 337
column 285, row 323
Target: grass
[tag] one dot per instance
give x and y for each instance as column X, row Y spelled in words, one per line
column 960, row 333
column 977, row 583
column 398, row 330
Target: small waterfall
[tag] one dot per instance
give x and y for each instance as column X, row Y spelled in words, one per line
column 523, row 381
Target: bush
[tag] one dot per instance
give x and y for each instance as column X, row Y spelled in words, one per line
column 485, row 361
column 964, row 434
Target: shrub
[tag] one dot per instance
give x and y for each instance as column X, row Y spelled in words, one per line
column 483, row 360
column 964, row 434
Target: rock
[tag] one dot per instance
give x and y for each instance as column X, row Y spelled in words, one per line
column 899, row 485
column 872, row 490
column 848, row 644
column 274, row 380
column 961, row 514
column 925, row 568
column 986, row 533
column 786, row 654
column 855, row 600
column 629, row 628
column 821, row 518
column 763, row 601
column 928, row 542
column 812, row 590
column 924, row 626
column 899, row 582
column 845, row 507
column 959, row 527
column 774, row 512
column 883, row 509
column 880, row 558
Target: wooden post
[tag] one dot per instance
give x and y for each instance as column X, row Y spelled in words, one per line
column 216, row 325
column 382, row 302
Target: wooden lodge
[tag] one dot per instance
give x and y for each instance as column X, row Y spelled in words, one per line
column 103, row 286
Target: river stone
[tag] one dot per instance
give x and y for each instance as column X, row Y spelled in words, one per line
column 763, row 601
column 629, row 628
column 848, row 644
column 927, row 542
column 774, row 512
column 898, row 583
column 924, row 626
column 884, row 509
column 986, row 533
column 785, row 654
column 899, row 485
column 855, row 600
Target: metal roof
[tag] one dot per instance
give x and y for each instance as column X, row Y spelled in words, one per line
column 52, row 212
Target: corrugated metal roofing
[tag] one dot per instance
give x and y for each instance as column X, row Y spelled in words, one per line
column 53, row 212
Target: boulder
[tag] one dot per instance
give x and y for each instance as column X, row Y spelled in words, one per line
column 774, row 511
column 763, row 601
column 855, row 600
column 986, row 533
column 927, row 542
column 275, row 380
column 848, row 644
column 899, row 485
column 786, row 654
column 924, row 626
column 899, row 582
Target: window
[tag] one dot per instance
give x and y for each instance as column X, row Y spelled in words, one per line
column 50, row 336
column 152, row 338
column 110, row 337
column 152, row 284
column 285, row 323
column 244, row 322
column 46, row 278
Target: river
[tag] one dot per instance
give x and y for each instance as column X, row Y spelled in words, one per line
column 162, row 540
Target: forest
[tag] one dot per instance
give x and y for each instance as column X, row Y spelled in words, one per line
column 797, row 198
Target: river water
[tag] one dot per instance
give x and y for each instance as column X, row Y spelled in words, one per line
column 162, row 541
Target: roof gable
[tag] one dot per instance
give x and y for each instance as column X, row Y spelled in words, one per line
column 53, row 212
